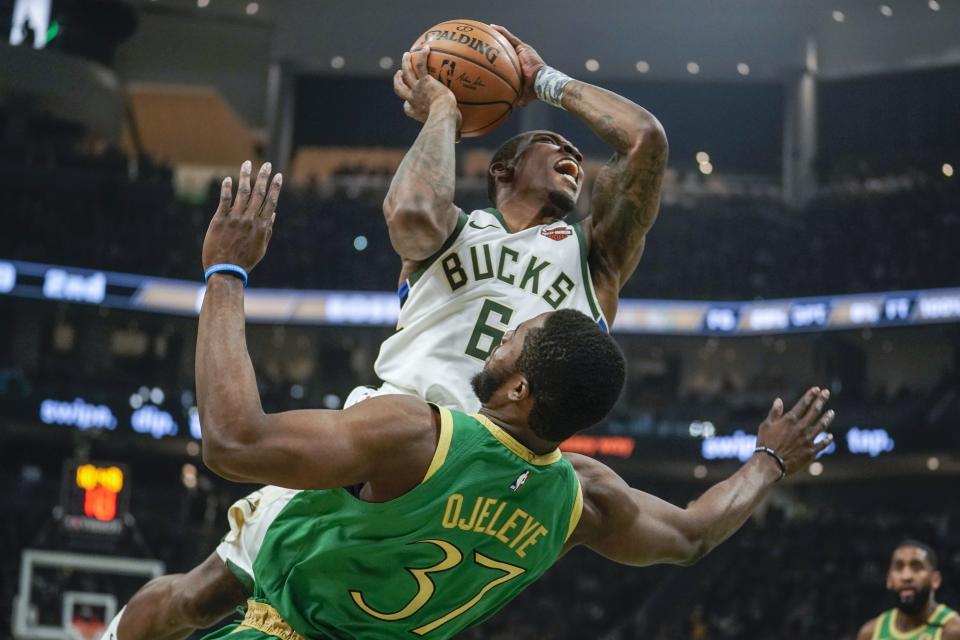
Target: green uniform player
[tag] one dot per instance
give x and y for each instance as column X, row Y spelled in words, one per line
column 913, row 579
column 887, row 625
column 487, row 520
column 465, row 280
column 451, row 516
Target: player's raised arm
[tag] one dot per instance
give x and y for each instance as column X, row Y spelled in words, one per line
column 636, row 528
column 626, row 195
column 296, row 449
column 419, row 206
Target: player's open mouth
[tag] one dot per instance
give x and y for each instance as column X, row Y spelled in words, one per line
column 907, row 593
column 569, row 169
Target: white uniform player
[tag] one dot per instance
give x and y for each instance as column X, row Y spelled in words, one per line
column 454, row 311
column 483, row 281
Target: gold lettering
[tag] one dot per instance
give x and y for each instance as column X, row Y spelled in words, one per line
column 484, row 514
column 528, row 526
column 452, row 512
column 529, row 541
column 510, row 524
column 466, row 526
column 491, row 529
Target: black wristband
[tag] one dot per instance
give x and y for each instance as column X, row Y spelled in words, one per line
column 775, row 456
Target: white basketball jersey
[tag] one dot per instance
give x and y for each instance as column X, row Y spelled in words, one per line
column 481, row 283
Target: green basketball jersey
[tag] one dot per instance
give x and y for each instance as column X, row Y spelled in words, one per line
column 489, row 518
column 886, row 627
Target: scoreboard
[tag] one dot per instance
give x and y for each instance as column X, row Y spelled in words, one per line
column 95, row 497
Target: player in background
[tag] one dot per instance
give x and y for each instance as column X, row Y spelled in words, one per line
column 913, row 580
column 412, row 519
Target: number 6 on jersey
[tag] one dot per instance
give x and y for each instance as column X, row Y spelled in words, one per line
column 484, row 329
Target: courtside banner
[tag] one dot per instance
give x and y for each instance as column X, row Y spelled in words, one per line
column 376, row 308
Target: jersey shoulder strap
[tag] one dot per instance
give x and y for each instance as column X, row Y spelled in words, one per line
column 881, row 630
column 942, row 615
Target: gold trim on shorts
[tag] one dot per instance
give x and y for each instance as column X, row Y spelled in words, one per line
column 262, row 617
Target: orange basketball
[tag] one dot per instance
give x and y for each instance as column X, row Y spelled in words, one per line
column 480, row 67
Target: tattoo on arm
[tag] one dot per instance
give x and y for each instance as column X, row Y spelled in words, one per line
column 425, row 182
column 427, row 171
column 626, row 194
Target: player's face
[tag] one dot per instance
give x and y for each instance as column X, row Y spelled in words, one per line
column 502, row 362
column 549, row 164
column 912, row 578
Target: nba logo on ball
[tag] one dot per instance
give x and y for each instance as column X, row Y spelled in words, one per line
column 479, row 66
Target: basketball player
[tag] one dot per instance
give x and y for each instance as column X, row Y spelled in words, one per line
column 455, row 307
column 472, row 508
column 465, row 278
column 913, row 580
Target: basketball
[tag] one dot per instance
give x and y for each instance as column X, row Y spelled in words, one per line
column 480, row 67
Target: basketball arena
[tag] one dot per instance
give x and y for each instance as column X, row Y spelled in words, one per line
column 537, row 319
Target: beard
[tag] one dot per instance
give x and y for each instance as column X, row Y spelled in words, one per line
column 486, row 383
column 561, row 201
column 912, row 605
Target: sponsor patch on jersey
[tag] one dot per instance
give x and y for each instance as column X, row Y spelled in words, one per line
column 521, row 479
column 556, row 233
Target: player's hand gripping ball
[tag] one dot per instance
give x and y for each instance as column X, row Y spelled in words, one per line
column 480, row 67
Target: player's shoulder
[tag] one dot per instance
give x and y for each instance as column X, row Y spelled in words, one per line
column 868, row 628
column 591, row 471
column 951, row 628
column 390, row 419
column 586, row 467
column 601, row 486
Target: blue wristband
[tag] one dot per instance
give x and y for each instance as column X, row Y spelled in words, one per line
column 232, row 269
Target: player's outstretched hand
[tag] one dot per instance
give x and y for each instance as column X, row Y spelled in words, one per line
column 419, row 90
column 792, row 435
column 241, row 227
column 530, row 63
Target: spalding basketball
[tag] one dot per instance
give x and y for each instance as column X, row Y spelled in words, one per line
column 480, row 67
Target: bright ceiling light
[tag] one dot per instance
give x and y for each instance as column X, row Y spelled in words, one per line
column 743, row 69
column 643, row 66
column 591, row 65
column 838, row 16
column 693, row 68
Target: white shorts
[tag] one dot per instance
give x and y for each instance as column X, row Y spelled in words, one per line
column 250, row 517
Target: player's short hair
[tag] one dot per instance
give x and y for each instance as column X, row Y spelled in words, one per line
column 575, row 371
column 931, row 554
column 506, row 153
